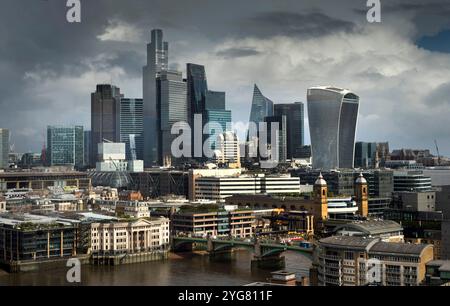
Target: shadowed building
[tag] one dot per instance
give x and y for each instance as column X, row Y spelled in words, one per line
column 333, row 114
column 157, row 61
column 295, row 131
column 105, row 110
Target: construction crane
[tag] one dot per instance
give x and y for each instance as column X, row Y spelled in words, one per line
column 437, row 150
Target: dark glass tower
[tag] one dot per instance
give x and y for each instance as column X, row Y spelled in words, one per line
column 295, row 127
column 105, row 110
column 157, row 61
column 281, row 142
column 197, row 89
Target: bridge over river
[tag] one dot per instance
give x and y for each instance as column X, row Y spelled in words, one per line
column 266, row 253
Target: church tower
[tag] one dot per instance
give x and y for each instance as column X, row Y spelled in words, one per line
column 320, row 197
column 362, row 196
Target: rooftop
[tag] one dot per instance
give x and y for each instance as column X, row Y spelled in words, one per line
column 372, row 227
column 398, row 248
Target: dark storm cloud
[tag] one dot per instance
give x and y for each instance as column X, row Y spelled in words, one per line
column 237, row 52
column 283, row 23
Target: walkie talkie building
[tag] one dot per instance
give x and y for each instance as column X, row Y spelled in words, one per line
column 333, row 115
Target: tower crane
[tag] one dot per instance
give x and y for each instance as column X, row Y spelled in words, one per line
column 437, row 150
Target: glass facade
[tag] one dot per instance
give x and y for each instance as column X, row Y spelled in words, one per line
column 105, row 109
column 157, row 62
column 261, row 107
column 295, row 130
column 197, row 88
column 4, row 148
column 365, row 154
column 131, row 127
column 173, row 108
column 332, row 114
column 223, row 118
column 65, row 145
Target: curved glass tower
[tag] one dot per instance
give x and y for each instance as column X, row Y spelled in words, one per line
column 261, row 107
column 333, row 115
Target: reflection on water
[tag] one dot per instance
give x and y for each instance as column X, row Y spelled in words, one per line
column 191, row 270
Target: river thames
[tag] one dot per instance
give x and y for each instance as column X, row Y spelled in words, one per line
column 189, row 270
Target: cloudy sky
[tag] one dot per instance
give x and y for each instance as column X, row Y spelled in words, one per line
column 399, row 67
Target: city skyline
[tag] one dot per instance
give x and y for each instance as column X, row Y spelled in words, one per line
column 399, row 67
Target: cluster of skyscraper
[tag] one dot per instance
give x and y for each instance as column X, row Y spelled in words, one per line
column 145, row 125
column 168, row 98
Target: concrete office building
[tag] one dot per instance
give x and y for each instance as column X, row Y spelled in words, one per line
column 227, row 150
column 414, row 180
column 111, row 157
column 35, row 238
column 65, row 146
column 219, row 188
column 173, row 106
column 347, row 261
column 157, row 61
column 333, row 115
column 415, row 201
column 105, row 110
column 4, row 148
column 132, row 127
column 213, row 221
column 295, row 128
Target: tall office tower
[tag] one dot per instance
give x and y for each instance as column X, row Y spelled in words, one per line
column 295, row 127
column 215, row 113
column 281, row 141
column 65, row 145
column 4, row 148
column 333, row 115
column 157, row 61
column 366, row 155
column 105, row 110
column 173, row 108
column 87, row 147
column 132, row 127
column 197, row 89
column 228, row 150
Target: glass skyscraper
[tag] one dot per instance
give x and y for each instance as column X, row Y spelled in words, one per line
column 65, row 145
column 261, row 107
column 132, row 127
column 105, row 110
column 173, row 108
column 157, row 61
column 295, row 127
column 4, row 148
column 333, row 115
column 197, row 89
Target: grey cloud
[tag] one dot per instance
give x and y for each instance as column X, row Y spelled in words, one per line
column 237, row 52
column 283, row 23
